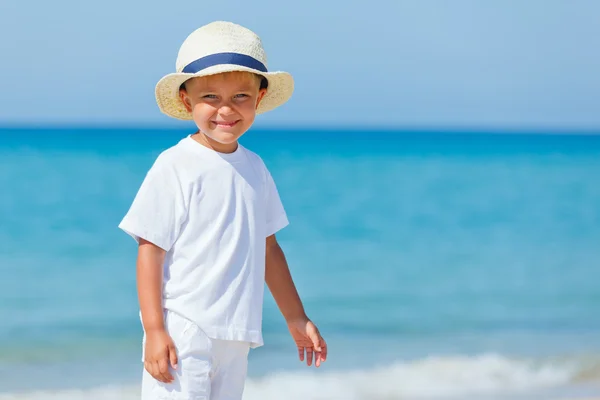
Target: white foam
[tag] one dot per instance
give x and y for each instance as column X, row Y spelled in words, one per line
column 103, row 393
column 436, row 377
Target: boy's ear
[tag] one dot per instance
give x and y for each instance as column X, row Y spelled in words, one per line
column 185, row 99
column 261, row 94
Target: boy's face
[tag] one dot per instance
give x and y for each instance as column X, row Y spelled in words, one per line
column 223, row 106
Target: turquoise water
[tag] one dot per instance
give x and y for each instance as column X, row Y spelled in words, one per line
column 434, row 264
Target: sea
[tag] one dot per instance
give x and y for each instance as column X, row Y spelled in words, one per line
column 437, row 264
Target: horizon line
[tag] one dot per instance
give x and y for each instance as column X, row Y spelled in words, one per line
column 507, row 130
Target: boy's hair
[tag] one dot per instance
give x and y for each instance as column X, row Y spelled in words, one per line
column 264, row 83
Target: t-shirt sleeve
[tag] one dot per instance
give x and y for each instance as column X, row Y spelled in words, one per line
column 159, row 209
column 276, row 215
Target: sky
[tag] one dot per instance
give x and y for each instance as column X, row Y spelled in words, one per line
column 509, row 64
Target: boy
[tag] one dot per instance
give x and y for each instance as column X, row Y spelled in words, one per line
column 205, row 219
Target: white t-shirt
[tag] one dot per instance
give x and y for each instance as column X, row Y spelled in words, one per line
column 212, row 213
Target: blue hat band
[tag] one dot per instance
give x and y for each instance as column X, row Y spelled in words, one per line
column 224, row 58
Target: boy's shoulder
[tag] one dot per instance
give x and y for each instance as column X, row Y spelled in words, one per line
column 172, row 159
column 257, row 161
column 174, row 152
column 253, row 156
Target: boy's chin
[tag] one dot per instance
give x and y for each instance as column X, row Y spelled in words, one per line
column 224, row 137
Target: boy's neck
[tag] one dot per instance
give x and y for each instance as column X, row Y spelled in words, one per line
column 214, row 145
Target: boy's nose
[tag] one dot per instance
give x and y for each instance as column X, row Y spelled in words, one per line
column 225, row 109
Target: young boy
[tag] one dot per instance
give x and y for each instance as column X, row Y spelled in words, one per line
column 205, row 219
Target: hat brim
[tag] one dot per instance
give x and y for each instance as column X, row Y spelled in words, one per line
column 280, row 89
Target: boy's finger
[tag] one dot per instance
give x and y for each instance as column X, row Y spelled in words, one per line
column 163, row 366
column 173, row 356
column 317, row 360
column 323, row 350
column 316, row 342
column 153, row 371
column 301, row 353
column 157, row 374
column 156, row 371
column 309, row 356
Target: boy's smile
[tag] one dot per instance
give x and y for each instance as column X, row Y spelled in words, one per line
column 225, row 124
column 223, row 106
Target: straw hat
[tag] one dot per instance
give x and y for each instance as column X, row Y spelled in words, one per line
column 215, row 48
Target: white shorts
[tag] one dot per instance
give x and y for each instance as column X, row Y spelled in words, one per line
column 207, row 369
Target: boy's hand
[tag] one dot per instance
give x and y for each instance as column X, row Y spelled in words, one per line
column 159, row 352
column 309, row 340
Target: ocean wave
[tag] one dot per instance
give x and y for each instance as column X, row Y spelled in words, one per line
column 434, row 377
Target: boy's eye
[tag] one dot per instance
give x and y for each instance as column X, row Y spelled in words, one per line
column 241, row 95
column 209, row 96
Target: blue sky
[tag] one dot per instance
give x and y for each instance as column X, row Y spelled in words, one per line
column 452, row 64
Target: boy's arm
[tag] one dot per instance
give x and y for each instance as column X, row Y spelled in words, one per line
column 280, row 283
column 160, row 349
column 149, row 284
